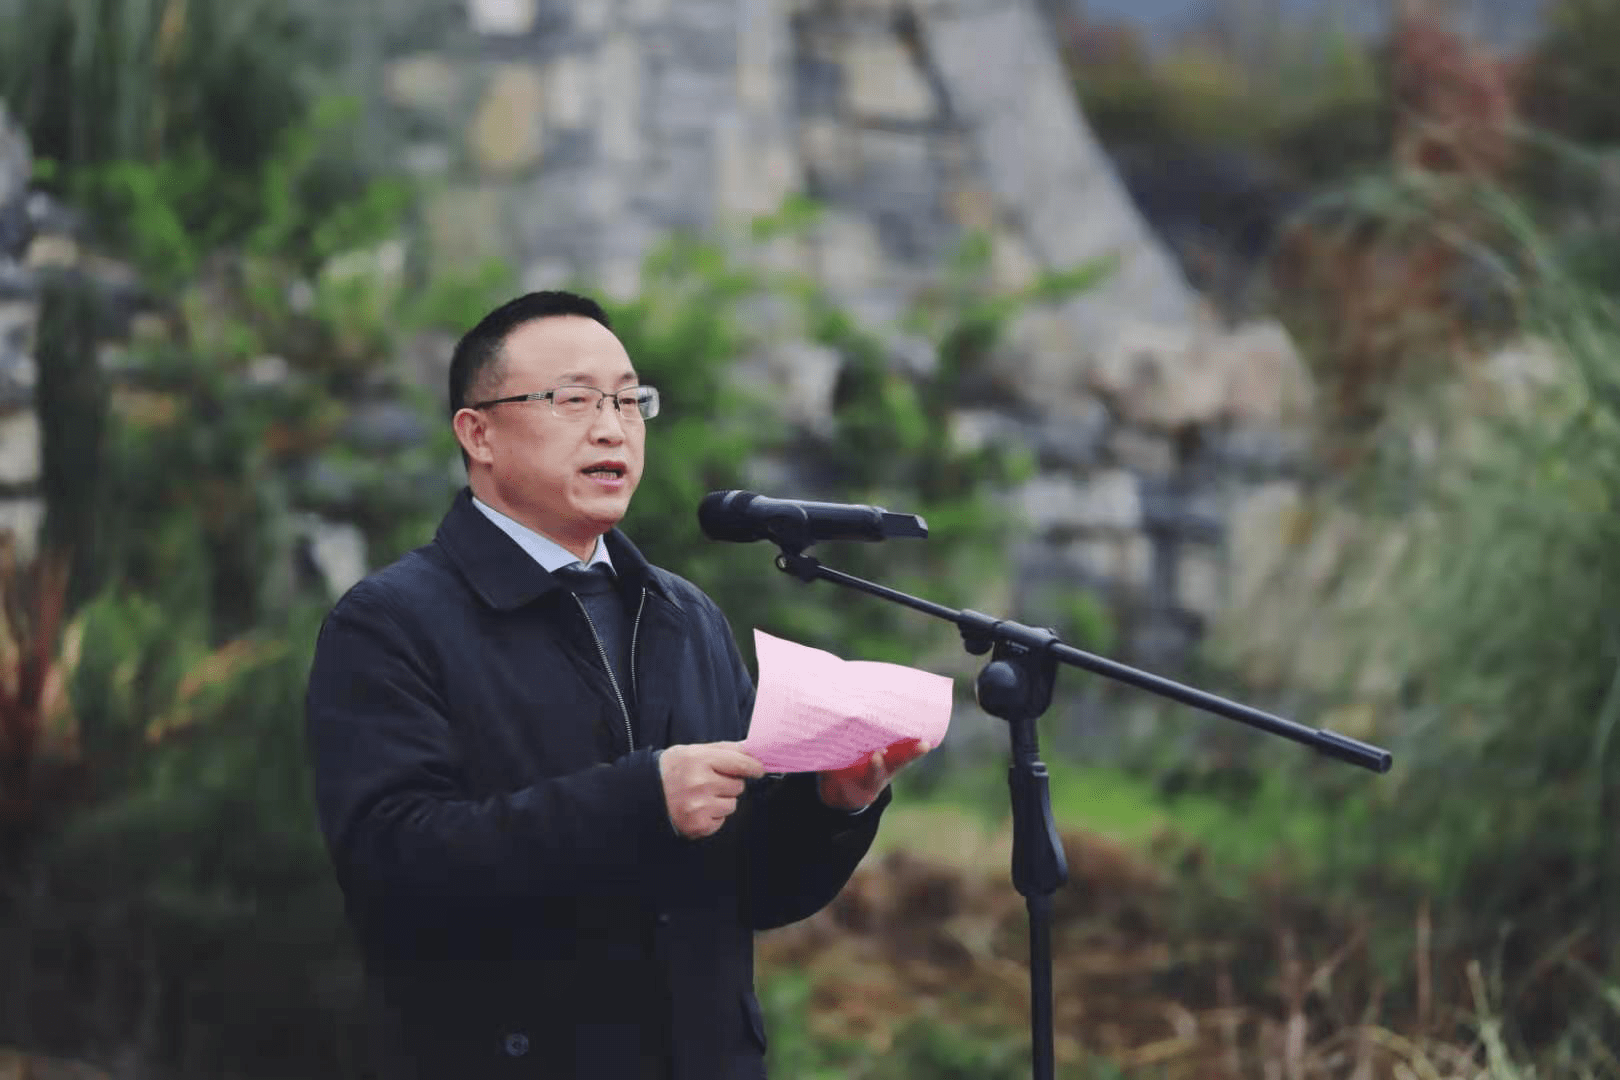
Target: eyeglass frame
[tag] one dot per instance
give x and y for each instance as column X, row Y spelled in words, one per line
column 603, row 395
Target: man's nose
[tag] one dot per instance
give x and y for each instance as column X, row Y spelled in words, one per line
column 607, row 425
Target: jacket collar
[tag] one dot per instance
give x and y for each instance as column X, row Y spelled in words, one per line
column 505, row 576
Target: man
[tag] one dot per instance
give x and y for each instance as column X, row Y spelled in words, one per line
column 525, row 741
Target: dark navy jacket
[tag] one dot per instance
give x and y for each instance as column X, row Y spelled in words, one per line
column 523, row 904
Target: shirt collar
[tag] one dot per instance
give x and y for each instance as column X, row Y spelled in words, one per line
column 542, row 549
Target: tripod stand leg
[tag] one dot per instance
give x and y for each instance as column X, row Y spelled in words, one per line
column 1039, row 870
column 1042, row 1054
column 1017, row 686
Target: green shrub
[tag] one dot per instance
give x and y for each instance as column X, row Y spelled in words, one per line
column 196, row 877
column 1314, row 103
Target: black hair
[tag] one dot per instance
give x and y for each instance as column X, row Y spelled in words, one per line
column 480, row 348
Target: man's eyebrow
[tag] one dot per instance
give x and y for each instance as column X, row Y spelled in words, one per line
column 580, row 378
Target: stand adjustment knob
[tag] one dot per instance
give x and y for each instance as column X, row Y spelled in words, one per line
column 999, row 689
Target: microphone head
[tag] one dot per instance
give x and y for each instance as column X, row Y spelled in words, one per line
column 720, row 516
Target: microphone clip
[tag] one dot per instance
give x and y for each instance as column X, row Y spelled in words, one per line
column 790, row 530
column 806, row 568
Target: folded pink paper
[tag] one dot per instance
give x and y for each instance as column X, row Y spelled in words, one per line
column 815, row 711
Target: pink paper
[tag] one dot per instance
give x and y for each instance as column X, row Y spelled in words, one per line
column 815, row 711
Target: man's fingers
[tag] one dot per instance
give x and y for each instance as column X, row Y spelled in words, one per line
column 730, row 762
column 900, row 754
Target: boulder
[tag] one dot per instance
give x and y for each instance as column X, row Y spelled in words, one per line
column 335, row 550
column 1107, row 502
column 1172, row 378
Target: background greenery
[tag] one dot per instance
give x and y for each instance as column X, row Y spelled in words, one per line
column 167, row 909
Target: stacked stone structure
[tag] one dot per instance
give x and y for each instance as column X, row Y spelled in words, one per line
column 22, row 510
column 567, row 138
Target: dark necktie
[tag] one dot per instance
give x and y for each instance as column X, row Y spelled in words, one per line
column 597, row 591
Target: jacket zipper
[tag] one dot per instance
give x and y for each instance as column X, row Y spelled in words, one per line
column 601, row 650
column 635, row 632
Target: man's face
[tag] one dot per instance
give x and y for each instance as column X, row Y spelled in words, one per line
column 571, row 480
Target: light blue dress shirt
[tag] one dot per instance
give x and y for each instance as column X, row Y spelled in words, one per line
column 542, row 549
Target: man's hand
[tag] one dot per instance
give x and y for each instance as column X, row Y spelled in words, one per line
column 701, row 784
column 854, row 787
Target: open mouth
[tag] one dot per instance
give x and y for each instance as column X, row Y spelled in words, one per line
column 605, row 472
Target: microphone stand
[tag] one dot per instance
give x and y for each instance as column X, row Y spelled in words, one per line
column 1016, row 685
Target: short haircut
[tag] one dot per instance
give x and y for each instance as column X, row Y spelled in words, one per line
column 478, row 353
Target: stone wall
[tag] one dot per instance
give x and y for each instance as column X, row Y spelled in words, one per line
column 566, row 138
column 22, row 510
column 569, row 137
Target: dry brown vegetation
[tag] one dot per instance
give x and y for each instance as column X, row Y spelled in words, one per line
column 1276, row 985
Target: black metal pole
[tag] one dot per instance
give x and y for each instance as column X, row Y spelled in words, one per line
column 1042, row 1049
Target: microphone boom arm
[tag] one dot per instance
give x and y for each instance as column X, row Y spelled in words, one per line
column 980, row 633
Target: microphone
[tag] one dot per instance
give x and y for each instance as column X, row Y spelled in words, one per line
column 743, row 516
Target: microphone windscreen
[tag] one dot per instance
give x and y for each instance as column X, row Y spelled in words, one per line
column 720, row 516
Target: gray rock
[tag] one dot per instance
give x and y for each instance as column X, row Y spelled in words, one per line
column 268, row 371
column 19, row 448
column 1041, row 159
column 18, row 372
column 911, row 354
column 1257, row 452
column 506, row 132
column 1266, row 381
column 17, row 282
column 16, row 230
column 384, row 426
column 425, row 83
column 818, row 84
column 21, row 519
column 799, row 377
column 1161, row 639
column 427, row 159
column 336, row 551
column 464, row 226
column 881, row 81
column 1119, row 562
column 1071, row 438
column 1174, row 511
column 1201, row 582
column 1149, row 453
column 16, row 160
column 972, row 430
column 1159, row 375
column 1063, row 506
column 326, row 481
column 47, row 215
column 506, row 18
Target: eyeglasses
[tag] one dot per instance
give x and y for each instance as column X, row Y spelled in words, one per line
column 635, row 403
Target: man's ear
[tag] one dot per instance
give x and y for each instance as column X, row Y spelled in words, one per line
column 469, row 425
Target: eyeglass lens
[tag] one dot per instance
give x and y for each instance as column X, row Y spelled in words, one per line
column 635, row 403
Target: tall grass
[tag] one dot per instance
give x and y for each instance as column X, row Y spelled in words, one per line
column 1487, row 655
column 105, row 80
